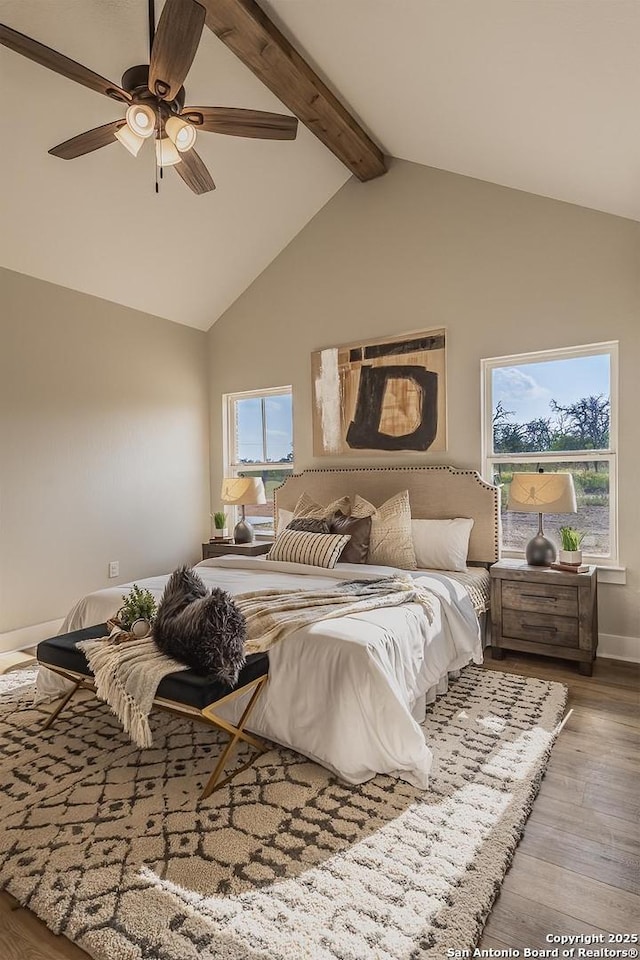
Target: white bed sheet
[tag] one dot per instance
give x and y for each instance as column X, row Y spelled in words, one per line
column 347, row 692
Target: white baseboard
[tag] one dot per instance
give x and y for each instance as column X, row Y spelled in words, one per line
column 619, row 648
column 29, row 636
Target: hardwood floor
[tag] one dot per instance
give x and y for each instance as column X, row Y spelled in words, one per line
column 577, row 868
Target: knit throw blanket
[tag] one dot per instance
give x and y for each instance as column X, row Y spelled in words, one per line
column 127, row 675
column 273, row 615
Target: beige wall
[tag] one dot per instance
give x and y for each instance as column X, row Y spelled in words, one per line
column 103, row 446
column 504, row 271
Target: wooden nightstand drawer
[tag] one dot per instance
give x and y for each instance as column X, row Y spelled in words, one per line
column 540, row 627
column 540, row 598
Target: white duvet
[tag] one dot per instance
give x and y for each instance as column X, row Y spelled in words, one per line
column 347, row 692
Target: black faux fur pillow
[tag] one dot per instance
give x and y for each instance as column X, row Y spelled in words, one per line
column 204, row 630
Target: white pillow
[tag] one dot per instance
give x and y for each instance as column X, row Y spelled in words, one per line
column 284, row 519
column 441, row 544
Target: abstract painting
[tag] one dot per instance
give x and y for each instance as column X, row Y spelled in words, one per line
column 380, row 395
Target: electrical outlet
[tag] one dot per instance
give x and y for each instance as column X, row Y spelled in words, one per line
column 114, row 569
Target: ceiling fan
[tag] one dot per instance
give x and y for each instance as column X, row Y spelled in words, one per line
column 155, row 97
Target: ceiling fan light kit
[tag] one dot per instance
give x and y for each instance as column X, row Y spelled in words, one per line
column 130, row 140
column 155, row 98
column 181, row 133
column 166, row 153
column 141, row 119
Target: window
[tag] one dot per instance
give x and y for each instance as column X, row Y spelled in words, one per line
column 555, row 410
column 259, row 443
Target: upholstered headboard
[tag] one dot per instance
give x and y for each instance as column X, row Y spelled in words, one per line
column 438, row 493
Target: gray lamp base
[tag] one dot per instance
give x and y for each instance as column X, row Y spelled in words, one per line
column 540, row 552
column 243, row 532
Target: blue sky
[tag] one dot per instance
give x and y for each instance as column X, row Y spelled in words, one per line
column 279, row 427
column 527, row 388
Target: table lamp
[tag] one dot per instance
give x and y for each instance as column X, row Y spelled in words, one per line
column 237, row 492
column 542, row 493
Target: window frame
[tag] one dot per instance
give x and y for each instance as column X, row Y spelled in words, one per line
column 232, row 466
column 610, row 455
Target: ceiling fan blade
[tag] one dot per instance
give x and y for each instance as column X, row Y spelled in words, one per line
column 174, row 46
column 87, row 142
column 194, row 172
column 242, row 123
column 57, row 62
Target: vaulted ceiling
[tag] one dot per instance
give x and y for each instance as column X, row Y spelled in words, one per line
column 539, row 95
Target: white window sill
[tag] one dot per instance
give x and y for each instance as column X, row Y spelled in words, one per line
column 611, row 574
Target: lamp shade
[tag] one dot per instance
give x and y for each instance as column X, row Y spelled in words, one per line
column 239, row 491
column 542, row 493
column 182, row 134
column 130, row 140
column 141, row 120
column 166, row 153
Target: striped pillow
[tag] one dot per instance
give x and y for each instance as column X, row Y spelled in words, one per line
column 316, row 549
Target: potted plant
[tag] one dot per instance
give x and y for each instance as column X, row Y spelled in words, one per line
column 571, row 543
column 137, row 613
column 220, row 524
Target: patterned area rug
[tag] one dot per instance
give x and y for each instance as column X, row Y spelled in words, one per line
column 109, row 846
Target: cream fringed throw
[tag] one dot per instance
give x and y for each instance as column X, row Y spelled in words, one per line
column 273, row 615
column 127, row 675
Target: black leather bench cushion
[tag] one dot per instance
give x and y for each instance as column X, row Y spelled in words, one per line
column 184, row 687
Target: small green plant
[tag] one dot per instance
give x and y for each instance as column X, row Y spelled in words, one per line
column 138, row 604
column 220, row 520
column 571, row 539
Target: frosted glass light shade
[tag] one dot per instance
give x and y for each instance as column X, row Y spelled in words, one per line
column 542, row 493
column 141, row 119
column 182, row 134
column 243, row 490
column 130, row 140
column 166, row 153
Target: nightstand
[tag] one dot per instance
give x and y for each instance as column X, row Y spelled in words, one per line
column 544, row 611
column 255, row 549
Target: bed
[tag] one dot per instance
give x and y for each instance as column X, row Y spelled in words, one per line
column 350, row 693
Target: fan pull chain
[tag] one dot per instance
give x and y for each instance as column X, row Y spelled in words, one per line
column 155, row 161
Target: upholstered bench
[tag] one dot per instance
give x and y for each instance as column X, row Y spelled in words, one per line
column 184, row 692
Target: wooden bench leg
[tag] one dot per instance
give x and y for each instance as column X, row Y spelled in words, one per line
column 238, row 734
column 58, row 710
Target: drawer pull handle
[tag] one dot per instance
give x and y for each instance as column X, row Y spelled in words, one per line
column 539, row 626
column 537, row 596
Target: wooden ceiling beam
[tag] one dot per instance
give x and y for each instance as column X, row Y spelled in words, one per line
column 254, row 38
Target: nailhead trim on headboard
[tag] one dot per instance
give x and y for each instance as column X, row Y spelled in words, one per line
column 412, row 469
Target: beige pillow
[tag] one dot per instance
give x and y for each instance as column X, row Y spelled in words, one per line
column 307, row 507
column 391, row 544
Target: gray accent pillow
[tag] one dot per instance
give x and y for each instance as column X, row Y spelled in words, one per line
column 309, row 525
